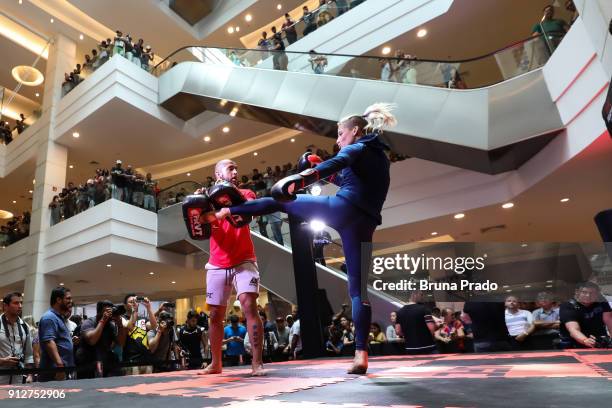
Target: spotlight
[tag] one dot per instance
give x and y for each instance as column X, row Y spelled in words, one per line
column 315, row 190
column 422, row 33
column 279, row 6
column 248, row 18
column 292, row 140
column 188, row 174
column 434, row 233
column 564, row 200
column 386, row 50
column 230, row 30
column 459, row 216
column 207, row 138
column 508, row 205
column 76, row 135
column 81, row 37
column 317, row 226
column 226, row 129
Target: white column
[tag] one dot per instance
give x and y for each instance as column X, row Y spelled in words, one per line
column 50, row 178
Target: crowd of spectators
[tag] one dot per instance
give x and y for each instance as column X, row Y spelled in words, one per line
column 15, row 229
column 6, row 133
column 125, row 339
column 585, row 321
column 135, row 52
column 132, row 338
column 124, row 184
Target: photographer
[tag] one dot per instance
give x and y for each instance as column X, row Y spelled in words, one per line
column 98, row 334
column 136, row 344
column 15, row 340
column 192, row 339
column 163, row 341
column 584, row 318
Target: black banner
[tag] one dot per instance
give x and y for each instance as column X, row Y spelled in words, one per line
column 607, row 110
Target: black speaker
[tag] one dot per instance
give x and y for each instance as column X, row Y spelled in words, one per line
column 604, row 224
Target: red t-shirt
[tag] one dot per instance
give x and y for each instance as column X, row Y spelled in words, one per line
column 230, row 246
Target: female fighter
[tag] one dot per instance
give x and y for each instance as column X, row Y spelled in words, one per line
column 363, row 178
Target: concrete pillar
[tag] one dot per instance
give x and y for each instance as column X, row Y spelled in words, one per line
column 50, row 178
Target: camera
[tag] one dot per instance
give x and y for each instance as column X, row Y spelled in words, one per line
column 21, row 363
column 140, row 298
column 166, row 318
column 118, row 310
column 603, row 342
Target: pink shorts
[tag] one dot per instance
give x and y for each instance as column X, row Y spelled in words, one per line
column 219, row 282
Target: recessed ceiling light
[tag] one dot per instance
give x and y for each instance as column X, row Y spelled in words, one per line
column 30, row 191
column 71, row 166
column 20, row 2
column 248, row 18
column 292, row 140
column 527, row 286
column 459, row 216
column 14, row 202
column 564, row 200
column 279, row 6
column 5, row 215
column 108, row 265
column 225, row 129
column 549, row 286
column 207, row 138
column 223, row 102
column 173, row 282
column 508, row 205
column 237, row 29
column 434, row 233
column 52, row 21
column 230, row 30
column 81, row 36
column 27, row 75
column 61, row 283
column 505, row 286
column 188, row 174
column 386, row 50
column 524, row 245
column 34, row 181
column 422, row 33
column 234, row 112
column 509, row 290
column 255, row 154
column 151, row 273
column 37, row 94
column 76, row 135
column 549, row 281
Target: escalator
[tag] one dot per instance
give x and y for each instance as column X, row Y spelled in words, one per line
column 275, row 264
column 474, row 127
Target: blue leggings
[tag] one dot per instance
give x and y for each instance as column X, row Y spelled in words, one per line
column 354, row 226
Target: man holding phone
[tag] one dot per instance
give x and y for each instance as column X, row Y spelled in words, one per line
column 233, row 338
column 136, row 344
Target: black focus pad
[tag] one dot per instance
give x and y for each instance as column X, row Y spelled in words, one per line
column 308, row 160
column 225, row 194
column 194, row 206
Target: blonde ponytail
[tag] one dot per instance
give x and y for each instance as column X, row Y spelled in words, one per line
column 379, row 116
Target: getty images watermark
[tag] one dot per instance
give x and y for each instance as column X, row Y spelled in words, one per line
column 412, row 264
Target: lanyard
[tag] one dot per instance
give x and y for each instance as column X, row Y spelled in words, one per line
column 13, row 343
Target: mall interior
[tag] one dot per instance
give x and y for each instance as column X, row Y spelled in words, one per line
column 499, row 152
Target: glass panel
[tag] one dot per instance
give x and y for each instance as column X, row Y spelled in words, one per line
column 493, row 68
column 176, row 193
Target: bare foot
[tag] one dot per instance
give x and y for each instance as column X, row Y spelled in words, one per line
column 210, row 370
column 258, row 371
column 360, row 363
column 357, row 369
